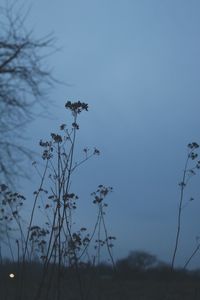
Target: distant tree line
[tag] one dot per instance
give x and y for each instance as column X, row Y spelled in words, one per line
column 138, row 265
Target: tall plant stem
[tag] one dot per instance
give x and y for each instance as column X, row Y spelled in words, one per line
column 182, row 184
column 22, row 273
column 106, row 234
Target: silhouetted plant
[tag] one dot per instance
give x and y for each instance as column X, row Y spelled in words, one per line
column 56, row 242
column 10, row 205
column 192, row 164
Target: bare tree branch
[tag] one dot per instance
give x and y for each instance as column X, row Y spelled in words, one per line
column 23, row 82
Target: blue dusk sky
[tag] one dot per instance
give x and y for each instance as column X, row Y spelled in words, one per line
column 137, row 64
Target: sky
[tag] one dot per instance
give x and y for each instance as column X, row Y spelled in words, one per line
column 137, row 64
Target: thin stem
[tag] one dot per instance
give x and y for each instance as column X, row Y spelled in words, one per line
column 22, row 273
column 182, row 184
column 191, row 256
column 106, row 234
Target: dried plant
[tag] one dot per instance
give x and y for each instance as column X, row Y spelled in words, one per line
column 56, row 242
column 192, row 165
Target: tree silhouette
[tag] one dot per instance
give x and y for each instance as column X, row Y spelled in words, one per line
column 23, row 81
column 137, row 261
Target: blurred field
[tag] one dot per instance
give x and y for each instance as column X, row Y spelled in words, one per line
column 101, row 284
